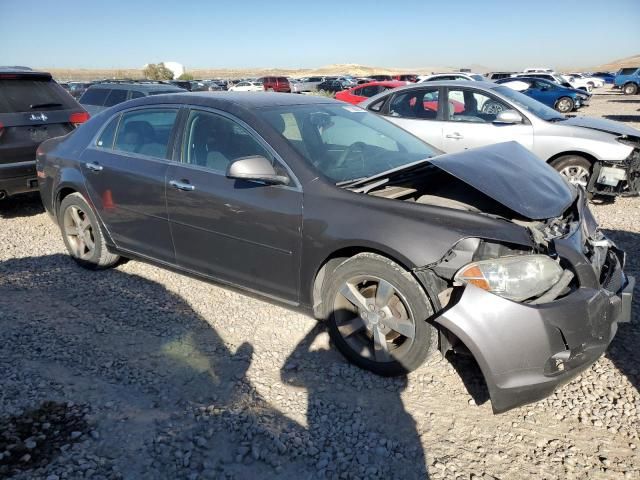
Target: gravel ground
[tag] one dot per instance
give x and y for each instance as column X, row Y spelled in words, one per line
column 141, row 373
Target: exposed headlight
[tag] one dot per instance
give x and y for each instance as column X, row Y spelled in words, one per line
column 516, row 278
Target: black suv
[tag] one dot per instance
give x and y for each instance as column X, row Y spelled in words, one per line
column 33, row 107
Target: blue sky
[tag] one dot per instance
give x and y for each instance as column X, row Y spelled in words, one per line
column 304, row 33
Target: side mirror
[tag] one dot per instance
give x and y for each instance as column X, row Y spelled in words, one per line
column 508, row 117
column 256, row 169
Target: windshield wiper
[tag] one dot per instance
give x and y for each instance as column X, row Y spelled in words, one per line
column 557, row 119
column 45, row 105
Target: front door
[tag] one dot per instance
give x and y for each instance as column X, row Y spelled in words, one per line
column 125, row 175
column 244, row 233
column 471, row 115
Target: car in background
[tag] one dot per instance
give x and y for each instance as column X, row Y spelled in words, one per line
column 33, row 108
column 101, row 96
column 406, row 77
column 381, row 78
column 578, row 82
column 275, row 84
column 472, row 77
column 357, row 94
column 309, row 84
column 538, row 70
column 594, row 81
column 608, row 77
column 336, row 212
column 498, row 75
column 628, row 79
column 77, row 89
column 553, row 77
column 560, row 98
column 333, row 86
column 600, row 155
column 183, row 84
column 247, row 87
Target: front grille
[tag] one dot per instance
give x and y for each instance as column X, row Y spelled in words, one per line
column 611, row 275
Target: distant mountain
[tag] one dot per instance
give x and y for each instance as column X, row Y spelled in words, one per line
column 633, row 61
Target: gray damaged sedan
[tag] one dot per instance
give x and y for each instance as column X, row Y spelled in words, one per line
column 334, row 210
column 600, row 155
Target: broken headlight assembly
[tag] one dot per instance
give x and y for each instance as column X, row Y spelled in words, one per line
column 515, row 277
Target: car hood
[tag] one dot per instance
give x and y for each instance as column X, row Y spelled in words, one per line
column 603, row 125
column 513, row 176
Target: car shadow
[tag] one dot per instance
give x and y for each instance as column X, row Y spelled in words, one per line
column 626, row 100
column 380, row 439
column 167, row 397
column 623, row 118
column 25, row 205
column 623, row 351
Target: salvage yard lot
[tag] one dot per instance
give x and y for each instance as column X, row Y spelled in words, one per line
column 157, row 375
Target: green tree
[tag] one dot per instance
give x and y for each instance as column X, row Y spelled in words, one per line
column 185, row 76
column 157, row 71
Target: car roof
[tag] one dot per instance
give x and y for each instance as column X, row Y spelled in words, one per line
column 383, row 83
column 23, row 71
column 226, row 100
column 136, row 86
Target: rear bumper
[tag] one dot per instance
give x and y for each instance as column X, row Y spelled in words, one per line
column 18, row 178
column 526, row 351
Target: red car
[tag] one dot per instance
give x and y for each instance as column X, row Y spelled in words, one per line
column 362, row 92
column 276, row 84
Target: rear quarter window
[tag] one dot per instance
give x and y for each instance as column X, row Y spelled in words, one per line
column 27, row 95
column 94, row 96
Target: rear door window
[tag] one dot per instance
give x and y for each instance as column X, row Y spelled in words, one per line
column 146, row 131
column 27, row 95
column 421, row 103
column 95, row 96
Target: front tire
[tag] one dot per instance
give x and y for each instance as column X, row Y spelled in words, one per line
column 565, row 105
column 630, row 89
column 576, row 169
column 376, row 313
column 82, row 234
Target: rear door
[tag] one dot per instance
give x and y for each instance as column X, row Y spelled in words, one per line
column 33, row 108
column 420, row 112
column 244, row 233
column 470, row 116
column 125, row 173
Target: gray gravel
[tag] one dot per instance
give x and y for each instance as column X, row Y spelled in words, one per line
column 140, row 373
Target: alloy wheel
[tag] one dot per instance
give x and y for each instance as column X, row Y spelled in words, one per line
column 373, row 318
column 79, row 232
column 564, row 105
column 576, row 174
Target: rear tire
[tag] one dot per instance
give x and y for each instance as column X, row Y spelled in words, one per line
column 82, row 234
column 377, row 315
column 630, row 88
column 576, row 169
column 565, row 105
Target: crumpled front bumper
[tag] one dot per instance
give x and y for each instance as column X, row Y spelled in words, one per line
column 526, row 351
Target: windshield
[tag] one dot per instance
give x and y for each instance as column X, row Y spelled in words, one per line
column 529, row 104
column 477, row 77
column 346, row 142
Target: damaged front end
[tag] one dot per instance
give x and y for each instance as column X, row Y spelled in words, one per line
column 617, row 178
column 526, row 347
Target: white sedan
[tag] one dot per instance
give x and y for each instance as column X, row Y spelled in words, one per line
column 594, row 81
column 247, row 87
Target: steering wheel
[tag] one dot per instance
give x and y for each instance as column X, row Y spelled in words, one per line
column 357, row 147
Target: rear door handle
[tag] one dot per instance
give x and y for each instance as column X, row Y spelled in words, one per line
column 94, row 167
column 455, row 136
column 185, row 186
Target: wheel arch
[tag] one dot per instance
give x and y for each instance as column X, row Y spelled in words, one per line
column 586, row 156
column 335, row 258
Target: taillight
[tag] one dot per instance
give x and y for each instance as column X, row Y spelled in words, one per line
column 1, row 129
column 78, row 118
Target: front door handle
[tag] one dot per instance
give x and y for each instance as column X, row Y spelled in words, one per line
column 185, row 186
column 94, row 167
column 455, row 136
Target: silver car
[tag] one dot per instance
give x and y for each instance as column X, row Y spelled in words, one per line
column 601, row 155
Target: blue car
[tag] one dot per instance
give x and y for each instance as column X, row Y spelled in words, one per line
column 551, row 94
column 608, row 77
column 628, row 79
